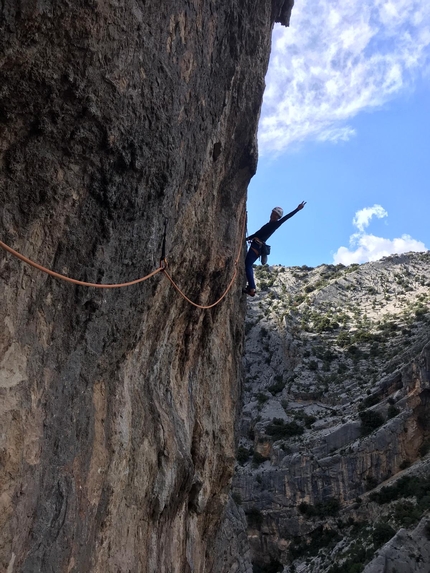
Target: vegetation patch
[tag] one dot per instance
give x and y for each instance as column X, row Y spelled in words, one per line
column 274, row 566
column 424, row 448
column 278, row 386
column 278, row 429
column 328, row 507
column 407, row 513
column 243, row 454
column 392, row 411
column 322, row 537
column 382, row 532
column 254, row 517
column 370, row 401
column 370, row 420
column 307, row 420
column 407, row 486
column 258, row 459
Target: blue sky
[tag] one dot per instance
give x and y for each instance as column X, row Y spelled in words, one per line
column 345, row 126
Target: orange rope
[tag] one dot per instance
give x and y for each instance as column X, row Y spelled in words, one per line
column 74, row 281
column 230, row 284
column 204, row 307
column 162, row 268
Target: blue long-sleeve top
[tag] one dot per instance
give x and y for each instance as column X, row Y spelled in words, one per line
column 269, row 228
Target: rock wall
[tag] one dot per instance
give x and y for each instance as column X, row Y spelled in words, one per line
column 406, row 552
column 118, row 406
column 335, row 407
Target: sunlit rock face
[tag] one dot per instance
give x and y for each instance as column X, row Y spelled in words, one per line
column 335, row 408
column 118, row 406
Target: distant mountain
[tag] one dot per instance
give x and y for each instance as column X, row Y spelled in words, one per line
column 332, row 466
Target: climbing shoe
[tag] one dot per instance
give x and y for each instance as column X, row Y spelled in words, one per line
column 249, row 291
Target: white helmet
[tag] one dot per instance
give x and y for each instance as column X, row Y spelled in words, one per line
column 278, row 210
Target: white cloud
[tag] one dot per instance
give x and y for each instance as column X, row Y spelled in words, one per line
column 362, row 217
column 365, row 247
column 337, row 59
column 335, row 134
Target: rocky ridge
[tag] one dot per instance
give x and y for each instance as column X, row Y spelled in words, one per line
column 335, row 409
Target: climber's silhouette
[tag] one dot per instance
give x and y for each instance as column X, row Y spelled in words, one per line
column 258, row 243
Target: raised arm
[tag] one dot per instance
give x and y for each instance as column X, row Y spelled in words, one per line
column 296, row 210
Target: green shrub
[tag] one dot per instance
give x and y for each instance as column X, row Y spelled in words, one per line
column 306, row 509
column 382, row 532
column 392, row 411
column 344, row 339
column 370, row 400
column 419, row 313
column 328, row 507
column 278, row 386
column 299, row 299
column 279, row 429
column 342, row 368
column 323, row 324
column 375, row 349
column 370, row 420
column 307, row 420
column 258, row 459
column 363, row 336
column 407, row 513
column 406, row 486
column 371, row 483
column 405, row 464
column 243, row 455
column 321, row 537
column 424, row 448
column 262, row 398
column 354, row 352
column 273, row 567
column 254, row 517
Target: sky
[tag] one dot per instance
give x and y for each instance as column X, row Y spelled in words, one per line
column 345, row 126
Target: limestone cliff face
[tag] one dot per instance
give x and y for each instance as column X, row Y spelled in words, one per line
column 117, row 407
column 336, row 407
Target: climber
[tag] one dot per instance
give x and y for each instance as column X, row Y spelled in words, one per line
column 258, row 243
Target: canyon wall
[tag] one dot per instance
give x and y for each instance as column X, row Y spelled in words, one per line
column 118, row 406
column 335, row 411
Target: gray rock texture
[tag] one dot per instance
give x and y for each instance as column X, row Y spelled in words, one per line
column 232, row 547
column 118, row 406
column 406, row 552
column 335, row 407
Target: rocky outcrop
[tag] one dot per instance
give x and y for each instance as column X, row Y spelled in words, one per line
column 232, row 548
column 118, row 407
column 406, row 552
column 335, row 408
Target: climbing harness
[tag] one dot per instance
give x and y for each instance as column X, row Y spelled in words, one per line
column 161, row 269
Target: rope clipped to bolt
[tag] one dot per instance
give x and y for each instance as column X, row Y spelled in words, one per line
column 161, row 269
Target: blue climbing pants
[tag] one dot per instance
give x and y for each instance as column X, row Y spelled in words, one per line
column 251, row 257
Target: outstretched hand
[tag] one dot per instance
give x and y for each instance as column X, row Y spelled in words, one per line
column 302, row 204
